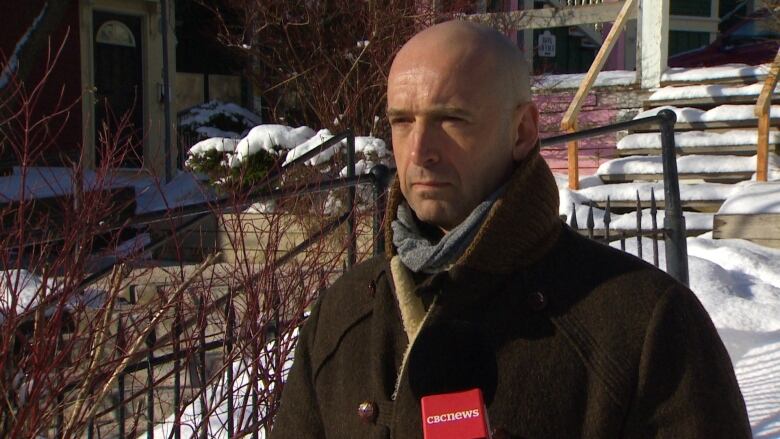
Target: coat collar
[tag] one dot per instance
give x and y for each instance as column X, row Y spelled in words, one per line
column 521, row 227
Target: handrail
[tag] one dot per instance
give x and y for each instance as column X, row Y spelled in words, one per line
column 762, row 112
column 569, row 122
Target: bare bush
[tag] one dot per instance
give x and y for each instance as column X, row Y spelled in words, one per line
column 117, row 320
column 325, row 63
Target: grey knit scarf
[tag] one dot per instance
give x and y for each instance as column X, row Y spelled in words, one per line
column 422, row 254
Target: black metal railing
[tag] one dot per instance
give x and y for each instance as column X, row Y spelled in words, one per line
column 676, row 249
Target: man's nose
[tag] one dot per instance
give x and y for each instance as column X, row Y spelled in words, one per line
column 424, row 150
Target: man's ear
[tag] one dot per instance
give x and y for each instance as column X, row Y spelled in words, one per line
column 527, row 126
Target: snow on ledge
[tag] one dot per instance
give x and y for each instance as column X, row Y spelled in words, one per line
column 713, row 73
column 705, row 91
column 689, row 164
column 717, row 114
column 696, row 139
column 604, row 79
column 753, row 197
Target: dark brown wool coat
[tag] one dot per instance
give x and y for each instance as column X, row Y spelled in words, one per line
column 590, row 342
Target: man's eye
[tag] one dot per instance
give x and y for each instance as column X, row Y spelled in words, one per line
column 400, row 121
column 453, row 120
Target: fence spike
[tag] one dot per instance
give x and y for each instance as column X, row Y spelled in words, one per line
column 638, row 225
column 654, row 222
column 591, row 224
column 607, row 221
column 573, row 221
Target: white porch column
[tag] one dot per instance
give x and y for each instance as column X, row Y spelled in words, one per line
column 653, row 41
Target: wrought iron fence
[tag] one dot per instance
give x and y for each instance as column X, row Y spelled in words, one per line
column 673, row 230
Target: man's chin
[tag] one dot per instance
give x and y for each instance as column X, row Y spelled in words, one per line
column 435, row 213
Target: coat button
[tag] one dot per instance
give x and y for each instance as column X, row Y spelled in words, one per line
column 371, row 288
column 368, row 411
column 537, row 301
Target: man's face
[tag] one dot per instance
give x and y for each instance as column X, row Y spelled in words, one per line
column 453, row 136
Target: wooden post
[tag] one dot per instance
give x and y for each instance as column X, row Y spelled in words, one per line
column 762, row 148
column 569, row 122
column 653, row 41
column 573, row 152
column 763, row 113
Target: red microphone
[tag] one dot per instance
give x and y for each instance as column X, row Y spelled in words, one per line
column 453, row 372
column 460, row 415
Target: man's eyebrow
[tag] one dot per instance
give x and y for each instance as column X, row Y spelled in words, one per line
column 436, row 111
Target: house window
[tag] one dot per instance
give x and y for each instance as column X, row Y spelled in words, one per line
column 695, row 8
column 115, row 33
column 683, row 41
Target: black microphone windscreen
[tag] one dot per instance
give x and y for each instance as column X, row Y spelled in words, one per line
column 452, row 356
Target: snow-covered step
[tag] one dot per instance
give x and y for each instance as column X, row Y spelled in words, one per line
column 700, row 197
column 731, row 142
column 724, row 169
column 707, row 95
column 722, row 116
column 727, row 73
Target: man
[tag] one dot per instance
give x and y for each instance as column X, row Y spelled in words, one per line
column 588, row 341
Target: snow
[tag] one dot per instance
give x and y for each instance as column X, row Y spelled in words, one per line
column 367, row 145
column 717, row 114
column 604, row 79
column 696, row 139
column 183, row 190
column 628, row 191
column 13, row 61
column 44, row 182
column 23, row 290
column 269, row 136
column 215, row 143
column 208, row 132
column 371, row 146
column 203, row 113
column 712, row 73
column 314, row 141
column 689, row 164
column 703, row 91
column 753, row 197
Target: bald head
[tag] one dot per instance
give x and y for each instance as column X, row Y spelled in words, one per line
column 459, row 107
column 473, row 50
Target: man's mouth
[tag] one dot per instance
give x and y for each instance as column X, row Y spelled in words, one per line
column 430, row 184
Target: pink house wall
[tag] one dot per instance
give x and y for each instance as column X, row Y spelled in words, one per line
column 605, row 105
